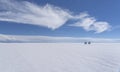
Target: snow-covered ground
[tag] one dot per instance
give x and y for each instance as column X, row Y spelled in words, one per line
column 59, row 57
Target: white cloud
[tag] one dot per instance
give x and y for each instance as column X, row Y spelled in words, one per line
column 29, row 13
column 48, row 16
column 101, row 26
column 51, row 39
column 6, row 38
column 89, row 23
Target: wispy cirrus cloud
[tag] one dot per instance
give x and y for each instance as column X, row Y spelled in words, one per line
column 52, row 39
column 89, row 23
column 48, row 16
column 29, row 13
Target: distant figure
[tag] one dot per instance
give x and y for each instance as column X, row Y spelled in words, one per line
column 89, row 42
column 85, row 42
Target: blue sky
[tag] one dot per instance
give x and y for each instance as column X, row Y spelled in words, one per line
column 60, row 18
